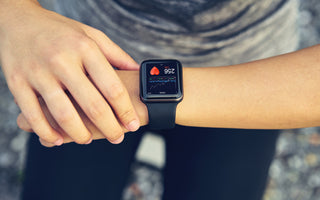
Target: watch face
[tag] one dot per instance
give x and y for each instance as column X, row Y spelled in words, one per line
column 161, row 79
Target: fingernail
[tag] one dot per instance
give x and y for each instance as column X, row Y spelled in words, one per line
column 89, row 141
column 59, row 142
column 133, row 125
column 119, row 140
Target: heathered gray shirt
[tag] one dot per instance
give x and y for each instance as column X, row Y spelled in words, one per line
column 197, row 32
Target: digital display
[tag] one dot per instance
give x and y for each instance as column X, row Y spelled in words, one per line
column 162, row 78
column 161, row 81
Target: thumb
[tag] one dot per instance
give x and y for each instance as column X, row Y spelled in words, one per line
column 114, row 54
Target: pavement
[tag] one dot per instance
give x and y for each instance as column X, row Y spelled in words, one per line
column 294, row 173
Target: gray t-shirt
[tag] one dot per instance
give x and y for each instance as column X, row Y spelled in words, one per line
column 197, row 32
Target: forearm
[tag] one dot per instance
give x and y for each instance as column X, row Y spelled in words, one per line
column 5, row 4
column 275, row 93
column 7, row 7
column 11, row 11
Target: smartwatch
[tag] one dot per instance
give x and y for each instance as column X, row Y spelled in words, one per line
column 161, row 90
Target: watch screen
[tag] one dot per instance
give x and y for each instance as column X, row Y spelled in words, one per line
column 162, row 78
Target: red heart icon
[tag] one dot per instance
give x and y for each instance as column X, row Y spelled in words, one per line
column 154, row 71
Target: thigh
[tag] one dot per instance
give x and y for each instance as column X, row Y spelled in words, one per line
column 72, row 171
column 204, row 163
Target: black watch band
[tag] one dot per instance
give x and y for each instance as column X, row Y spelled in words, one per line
column 162, row 115
column 161, row 89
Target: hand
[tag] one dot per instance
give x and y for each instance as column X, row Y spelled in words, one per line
column 96, row 133
column 131, row 82
column 46, row 55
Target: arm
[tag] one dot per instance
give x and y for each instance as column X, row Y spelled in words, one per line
column 275, row 93
column 44, row 54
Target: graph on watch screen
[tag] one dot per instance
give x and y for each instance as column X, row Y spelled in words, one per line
column 162, row 78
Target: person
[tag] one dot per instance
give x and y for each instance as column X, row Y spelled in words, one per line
column 201, row 163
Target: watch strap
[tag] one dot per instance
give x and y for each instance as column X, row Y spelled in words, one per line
column 162, row 115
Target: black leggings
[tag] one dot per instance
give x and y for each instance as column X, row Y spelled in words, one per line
column 201, row 163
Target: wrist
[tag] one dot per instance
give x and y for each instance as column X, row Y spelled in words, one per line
column 161, row 90
column 130, row 80
column 12, row 12
column 182, row 116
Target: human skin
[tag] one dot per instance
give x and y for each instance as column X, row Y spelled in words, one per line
column 281, row 92
column 44, row 54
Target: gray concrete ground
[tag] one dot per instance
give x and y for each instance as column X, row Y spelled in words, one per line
column 294, row 174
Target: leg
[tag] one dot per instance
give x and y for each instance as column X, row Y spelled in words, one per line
column 222, row 164
column 72, row 171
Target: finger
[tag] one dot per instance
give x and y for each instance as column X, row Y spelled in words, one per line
column 46, row 144
column 112, row 52
column 30, row 107
column 109, row 84
column 62, row 110
column 23, row 124
column 92, row 103
column 97, row 134
column 118, row 141
column 54, row 124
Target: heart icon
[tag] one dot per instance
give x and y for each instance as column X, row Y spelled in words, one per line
column 154, row 71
